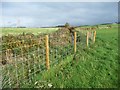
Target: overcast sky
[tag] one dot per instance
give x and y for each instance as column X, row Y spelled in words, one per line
column 39, row 14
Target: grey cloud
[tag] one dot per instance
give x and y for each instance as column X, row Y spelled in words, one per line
column 47, row 14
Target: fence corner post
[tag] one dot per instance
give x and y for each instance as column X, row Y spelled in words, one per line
column 47, row 52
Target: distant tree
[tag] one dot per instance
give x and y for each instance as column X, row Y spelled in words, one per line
column 97, row 26
column 67, row 25
column 109, row 26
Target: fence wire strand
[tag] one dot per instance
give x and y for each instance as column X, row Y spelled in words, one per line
column 22, row 61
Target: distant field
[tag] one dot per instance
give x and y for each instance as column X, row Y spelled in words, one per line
column 36, row 31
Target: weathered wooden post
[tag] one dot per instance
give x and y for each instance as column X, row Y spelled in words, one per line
column 74, row 42
column 87, row 36
column 94, row 36
column 47, row 52
column 6, row 53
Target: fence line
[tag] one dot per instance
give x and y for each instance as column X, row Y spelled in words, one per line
column 26, row 65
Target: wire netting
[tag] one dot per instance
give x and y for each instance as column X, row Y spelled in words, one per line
column 24, row 56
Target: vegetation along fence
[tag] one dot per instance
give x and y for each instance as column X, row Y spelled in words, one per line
column 26, row 55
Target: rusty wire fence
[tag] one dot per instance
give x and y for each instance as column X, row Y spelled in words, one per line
column 23, row 60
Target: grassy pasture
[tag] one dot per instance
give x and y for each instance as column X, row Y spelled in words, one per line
column 36, row 31
column 95, row 66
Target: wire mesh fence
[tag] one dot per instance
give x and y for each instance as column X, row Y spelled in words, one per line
column 30, row 55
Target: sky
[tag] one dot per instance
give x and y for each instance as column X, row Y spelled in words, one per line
column 43, row 14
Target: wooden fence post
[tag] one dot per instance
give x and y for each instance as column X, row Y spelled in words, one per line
column 94, row 36
column 47, row 52
column 74, row 42
column 87, row 38
column 6, row 53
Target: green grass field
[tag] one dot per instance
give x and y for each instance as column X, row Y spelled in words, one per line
column 36, row 31
column 93, row 67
